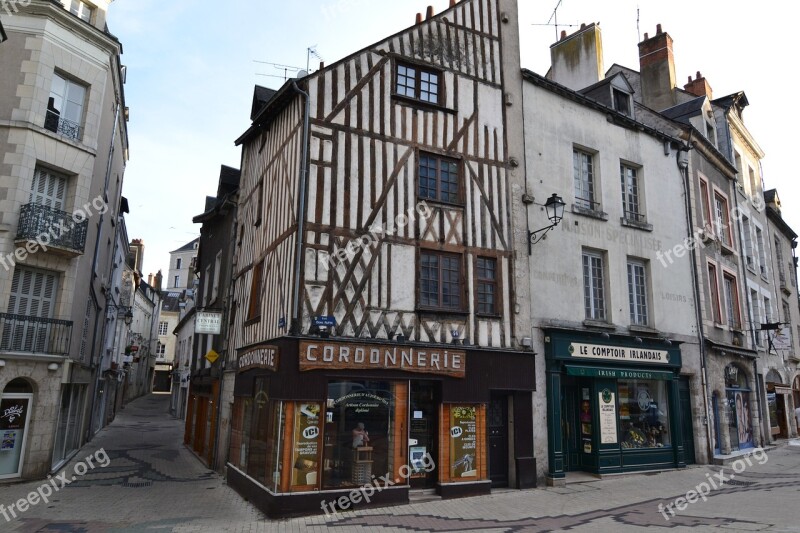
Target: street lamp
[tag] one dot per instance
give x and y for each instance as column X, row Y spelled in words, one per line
column 128, row 317
column 555, row 213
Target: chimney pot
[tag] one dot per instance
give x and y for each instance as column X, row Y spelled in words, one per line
column 658, row 29
column 563, row 34
column 583, row 25
column 430, row 13
column 690, row 79
column 699, row 75
column 321, row 65
column 419, row 18
column 645, row 36
column 452, row 3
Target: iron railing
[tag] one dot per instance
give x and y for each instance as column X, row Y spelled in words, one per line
column 633, row 216
column 587, row 204
column 38, row 222
column 31, row 334
column 57, row 124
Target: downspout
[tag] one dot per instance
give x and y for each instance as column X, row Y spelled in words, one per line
column 683, row 165
column 296, row 324
column 93, row 274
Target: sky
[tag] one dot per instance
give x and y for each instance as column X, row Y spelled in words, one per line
column 192, row 66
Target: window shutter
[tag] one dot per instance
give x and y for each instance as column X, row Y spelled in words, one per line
column 48, row 189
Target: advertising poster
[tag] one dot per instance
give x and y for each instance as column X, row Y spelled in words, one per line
column 306, row 444
column 608, row 418
column 9, row 441
column 13, row 413
column 463, row 442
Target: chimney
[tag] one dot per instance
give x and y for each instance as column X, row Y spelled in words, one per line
column 158, row 279
column 698, row 86
column 418, row 20
column 150, row 279
column 657, row 69
column 429, row 14
column 577, row 60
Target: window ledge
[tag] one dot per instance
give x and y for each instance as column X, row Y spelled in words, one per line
column 420, row 104
column 726, row 249
column 600, row 215
column 752, row 270
column 489, row 316
column 644, row 330
column 442, row 203
column 719, row 326
column 252, row 321
column 644, row 226
column 440, row 311
column 591, row 323
column 764, row 278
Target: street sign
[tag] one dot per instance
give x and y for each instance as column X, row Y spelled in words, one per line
column 212, row 356
column 207, row 322
column 325, row 321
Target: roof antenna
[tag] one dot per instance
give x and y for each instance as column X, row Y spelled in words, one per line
column 638, row 32
column 555, row 16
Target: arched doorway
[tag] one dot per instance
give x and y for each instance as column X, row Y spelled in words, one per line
column 777, row 405
column 16, row 405
column 738, row 408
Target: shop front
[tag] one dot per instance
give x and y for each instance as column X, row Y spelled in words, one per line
column 778, row 406
column 613, row 403
column 320, row 420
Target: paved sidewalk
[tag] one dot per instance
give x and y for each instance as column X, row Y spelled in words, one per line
column 153, row 483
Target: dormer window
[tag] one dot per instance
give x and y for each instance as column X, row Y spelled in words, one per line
column 80, row 9
column 710, row 133
column 622, row 102
column 423, row 84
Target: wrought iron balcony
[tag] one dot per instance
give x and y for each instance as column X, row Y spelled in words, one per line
column 30, row 334
column 57, row 124
column 55, row 228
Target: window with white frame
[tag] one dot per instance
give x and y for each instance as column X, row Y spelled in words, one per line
column 637, row 292
column 163, row 328
column 754, row 188
column 747, row 229
column 755, row 313
column 80, row 9
column 161, row 350
column 65, row 107
column 762, row 254
column 733, row 315
column 177, row 281
column 779, row 258
column 584, row 178
column 594, row 290
column 767, row 310
column 217, row 273
column 631, row 193
column 722, row 222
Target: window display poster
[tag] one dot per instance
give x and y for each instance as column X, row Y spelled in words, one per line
column 306, row 443
column 463, row 442
column 12, row 413
column 608, row 417
column 9, row 441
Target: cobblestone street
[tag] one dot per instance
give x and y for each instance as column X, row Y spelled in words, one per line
column 152, row 483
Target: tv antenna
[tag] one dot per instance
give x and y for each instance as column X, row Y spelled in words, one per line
column 553, row 20
column 278, row 66
column 638, row 32
column 312, row 51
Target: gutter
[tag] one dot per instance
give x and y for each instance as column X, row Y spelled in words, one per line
column 300, row 212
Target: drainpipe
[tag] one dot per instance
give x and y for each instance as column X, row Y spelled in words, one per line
column 683, row 165
column 296, row 326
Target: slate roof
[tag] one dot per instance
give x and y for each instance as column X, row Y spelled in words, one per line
column 187, row 247
column 171, row 301
column 261, row 96
column 683, row 112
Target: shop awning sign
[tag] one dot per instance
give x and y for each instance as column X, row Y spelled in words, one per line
column 258, row 357
column 618, row 353
column 207, row 323
column 617, row 373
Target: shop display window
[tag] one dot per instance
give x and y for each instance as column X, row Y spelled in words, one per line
column 644, row 414
column 359, row 424
column 305, row 445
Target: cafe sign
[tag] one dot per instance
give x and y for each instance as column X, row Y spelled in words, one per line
column 259, row 357
column 340, row 356
column 618, row 353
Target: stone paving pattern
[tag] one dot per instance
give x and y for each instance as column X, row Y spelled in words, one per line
column 154, row 484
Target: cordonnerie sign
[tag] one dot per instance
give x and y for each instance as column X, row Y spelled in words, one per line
column 259, row 357
column 340, row 356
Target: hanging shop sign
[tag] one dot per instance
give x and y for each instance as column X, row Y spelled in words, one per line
column 618, row 353
column 207, row 322
column 608, row 417
column 259, row 357
column 306, row 444
column 463, row 441
column 340, row 356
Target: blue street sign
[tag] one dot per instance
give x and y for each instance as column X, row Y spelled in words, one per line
column 282, row 322
column 325, row 321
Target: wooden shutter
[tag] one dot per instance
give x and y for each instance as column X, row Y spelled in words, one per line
column 49, row 188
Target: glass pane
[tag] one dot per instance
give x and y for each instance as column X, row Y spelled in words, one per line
column 358, row 432
column 644, row 414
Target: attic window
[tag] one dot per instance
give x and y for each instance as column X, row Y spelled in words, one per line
column 622, row 102
column 423, row 84
column 710, row 133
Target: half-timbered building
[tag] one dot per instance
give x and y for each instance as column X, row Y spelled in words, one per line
column 375, row 318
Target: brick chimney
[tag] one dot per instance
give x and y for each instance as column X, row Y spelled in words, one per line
column 657, row 69
column 698, row 86
column 158, row 279
column 577, row 60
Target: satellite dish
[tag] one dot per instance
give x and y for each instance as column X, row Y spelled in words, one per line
column 302, row 74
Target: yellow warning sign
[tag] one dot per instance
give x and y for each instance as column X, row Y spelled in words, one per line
column 212, row 356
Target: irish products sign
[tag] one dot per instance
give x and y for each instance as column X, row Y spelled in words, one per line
column 463, row 442
column 608, row 417
column 306, row 444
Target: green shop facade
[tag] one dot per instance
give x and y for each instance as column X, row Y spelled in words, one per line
column 613, row 403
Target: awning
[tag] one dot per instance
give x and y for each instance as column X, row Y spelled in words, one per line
column 617, row 373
